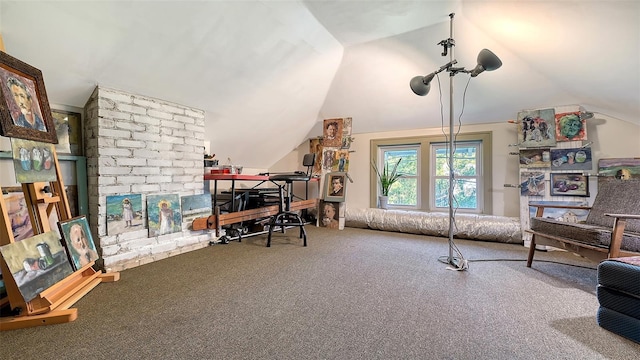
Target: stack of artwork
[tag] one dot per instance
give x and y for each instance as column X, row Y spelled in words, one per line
column 332, row 162
column 165, row 213
column 539, row 131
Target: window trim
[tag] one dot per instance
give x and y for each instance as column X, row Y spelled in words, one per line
column 417, row 148
column 425, row 167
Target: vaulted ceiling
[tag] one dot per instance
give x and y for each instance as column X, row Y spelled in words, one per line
column 268, row 72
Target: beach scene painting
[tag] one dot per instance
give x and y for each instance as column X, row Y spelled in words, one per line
column 124, row 213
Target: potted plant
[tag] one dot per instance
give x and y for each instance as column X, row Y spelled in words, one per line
column 386, row 178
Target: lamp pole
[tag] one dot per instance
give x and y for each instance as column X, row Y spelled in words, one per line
column 451, row 149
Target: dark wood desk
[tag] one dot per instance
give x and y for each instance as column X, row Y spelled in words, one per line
column 233, row 178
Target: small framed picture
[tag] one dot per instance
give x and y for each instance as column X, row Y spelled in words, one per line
column 569, row 184
column 78, row 241
column 24, row 107
column 335, row 187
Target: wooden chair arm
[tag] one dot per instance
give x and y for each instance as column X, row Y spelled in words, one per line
column 624, row 216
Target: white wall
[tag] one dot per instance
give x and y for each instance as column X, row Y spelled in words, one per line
column 612, row 138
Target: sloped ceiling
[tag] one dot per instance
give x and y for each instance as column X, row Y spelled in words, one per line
column 268, row 72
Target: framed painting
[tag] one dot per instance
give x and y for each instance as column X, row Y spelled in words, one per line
column 532, row 183
column 328, row 214
column 571, row 159
column 78, row 241
column 341, row 162
column 315, row 147
column 618, row 168
column 163, row 214
column 335, row 188
column 24, row 107
column 332, row 132
column 36, row 263
column 569, row 184
column 570, row 127
column 536, row 128
column 124, row 213
column 68, row 130
column 33, row 161
column 535, row 158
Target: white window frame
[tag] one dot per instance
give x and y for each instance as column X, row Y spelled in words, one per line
column 478, row 177
column 380, row 164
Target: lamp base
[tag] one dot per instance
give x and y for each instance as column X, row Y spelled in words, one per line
column 457, row 263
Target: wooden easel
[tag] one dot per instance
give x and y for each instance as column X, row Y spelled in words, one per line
column 51, row 306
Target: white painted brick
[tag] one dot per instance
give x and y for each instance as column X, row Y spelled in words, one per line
column 157, row 162
column 194, row 113
column 106, row 180
column 162, row 147
column 172, row 187
column 105, row 142
column 123, row 180
column 184, row 148
column 107, row 104
column 130, row 143
column 109, row 151
column 115, row 170
column 131, row 162
column 184, row 119
column 118, row 134
column 114, row 115
column 145, row 188
column 109, row 250
column 148, row 103
column 172, row 171
column 172, row 139
column 194, row 128
column 158, row 179
column 115, row 189
column 131, row 126
column 163, row 248
column 132, row 109
column 182, row 179
column 147, row 120
column 172, row 109
column 183, row 133
column 106, row 123
column 172, row 124
column 159, row 114
column 147, row 136
column 115, row 95
column 142, row 153
column 147, row 170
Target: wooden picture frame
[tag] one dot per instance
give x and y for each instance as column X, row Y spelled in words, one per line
column 569, row 184
column 23, row 91
column 335, row 186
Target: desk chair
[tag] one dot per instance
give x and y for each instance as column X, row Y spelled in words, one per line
column 285, row 216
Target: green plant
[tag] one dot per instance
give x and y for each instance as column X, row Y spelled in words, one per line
column 387, row 178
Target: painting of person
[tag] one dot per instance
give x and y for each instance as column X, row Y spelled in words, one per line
column 166, row 217
column 332, row 135
column 342, row 161
column 337, row 186
column 29, row 114
column 315, row 146
column 569, row 127
column 83, row 250
column 127, row 212
column 329, row 212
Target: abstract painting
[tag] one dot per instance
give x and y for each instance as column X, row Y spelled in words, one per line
column 18, row 215
column 536, row 128
column 570, row 127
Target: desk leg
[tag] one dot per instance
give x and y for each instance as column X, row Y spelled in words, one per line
column 215, row 193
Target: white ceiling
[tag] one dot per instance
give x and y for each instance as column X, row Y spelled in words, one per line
column 268, row 72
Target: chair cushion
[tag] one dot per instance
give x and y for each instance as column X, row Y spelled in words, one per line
column 585, row 233
column 618, row 197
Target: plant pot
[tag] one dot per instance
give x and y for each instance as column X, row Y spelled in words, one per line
column 383, row 201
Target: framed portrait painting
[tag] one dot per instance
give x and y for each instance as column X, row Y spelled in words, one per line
column 79, row 241
column 24, row 106
column 335, row 187
column 332, row 132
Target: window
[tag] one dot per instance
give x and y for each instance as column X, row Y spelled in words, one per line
column 467, row 167
column 426, row 184
column 405, row 191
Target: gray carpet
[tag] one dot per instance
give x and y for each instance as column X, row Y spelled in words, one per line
column 352, row 294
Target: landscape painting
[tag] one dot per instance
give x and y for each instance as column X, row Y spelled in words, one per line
column 195, row 206
column 124, row 213
column 163, row 214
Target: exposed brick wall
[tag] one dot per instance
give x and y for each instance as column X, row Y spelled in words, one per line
column 136, row 144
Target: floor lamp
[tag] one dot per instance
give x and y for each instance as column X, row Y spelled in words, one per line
column 487, row 61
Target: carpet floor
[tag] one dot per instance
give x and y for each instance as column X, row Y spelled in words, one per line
column 351, row 294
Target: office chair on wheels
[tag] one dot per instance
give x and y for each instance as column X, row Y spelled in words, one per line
column 285, row 217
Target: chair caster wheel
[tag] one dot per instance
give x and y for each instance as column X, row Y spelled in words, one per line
column 211, row 243
column 224, row 240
